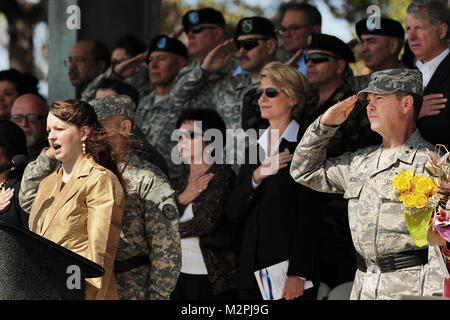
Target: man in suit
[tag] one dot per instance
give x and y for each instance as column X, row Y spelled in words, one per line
column 427, row 24
column 380, row 48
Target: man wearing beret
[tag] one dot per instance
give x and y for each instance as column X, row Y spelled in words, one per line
column 156, row 113
column 380, row 48
column 428, row 27
column 205, row 29
column 256, row 42
column 389, row 263
column 148, row 258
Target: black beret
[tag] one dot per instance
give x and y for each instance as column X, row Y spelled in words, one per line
column 167, row 44
column 255, row 25
column 321, row 41
column 200, row 16
column 388, row 27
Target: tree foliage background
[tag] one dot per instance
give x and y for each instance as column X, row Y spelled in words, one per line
column 22, row 16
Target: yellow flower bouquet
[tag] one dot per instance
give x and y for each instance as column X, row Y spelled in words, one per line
column 426, row 199
column 419, row 196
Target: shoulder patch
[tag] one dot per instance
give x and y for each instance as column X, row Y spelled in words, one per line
column 169, row 211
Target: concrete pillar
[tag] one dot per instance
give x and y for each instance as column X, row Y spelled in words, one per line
column 103, row 20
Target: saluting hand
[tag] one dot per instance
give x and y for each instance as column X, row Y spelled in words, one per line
column 218, row 57
column 129, row 67
column 177, row 33
column 293, row 61
column 339, row 112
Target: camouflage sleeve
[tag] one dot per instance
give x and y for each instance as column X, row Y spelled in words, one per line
column 188, row 83
column 34, row 173
column 163, row 237
column 89, row 92
column 311, row 168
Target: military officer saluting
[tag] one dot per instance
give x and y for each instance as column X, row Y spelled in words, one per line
column 389, row 263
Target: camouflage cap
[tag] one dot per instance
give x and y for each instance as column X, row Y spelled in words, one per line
column 110, row 106
column 393, row 80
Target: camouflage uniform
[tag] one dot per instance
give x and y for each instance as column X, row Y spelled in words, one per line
column 157, row 121
column 196, row 88
column 148, row 228
column 337, row 254
column 140, row 81
column 376, row 221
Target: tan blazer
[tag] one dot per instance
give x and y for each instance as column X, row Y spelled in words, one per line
column 85, row 217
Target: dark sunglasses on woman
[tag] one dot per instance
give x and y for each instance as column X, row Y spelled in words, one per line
column 270, row 92
column 249, row 44
column 318, row 57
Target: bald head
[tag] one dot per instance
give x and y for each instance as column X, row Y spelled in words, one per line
column 29, row 111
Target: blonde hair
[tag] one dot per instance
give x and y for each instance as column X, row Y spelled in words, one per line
column 291, row 81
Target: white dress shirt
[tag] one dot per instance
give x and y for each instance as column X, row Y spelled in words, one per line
column 290, row 134
column 428, row 68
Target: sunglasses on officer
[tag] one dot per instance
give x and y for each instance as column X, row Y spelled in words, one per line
column 198, row 29
column 249, row 44
column 318, row 57
column 270, row 92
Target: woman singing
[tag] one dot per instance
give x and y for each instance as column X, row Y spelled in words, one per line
column 80, row 205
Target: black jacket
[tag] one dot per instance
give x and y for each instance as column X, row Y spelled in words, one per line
column 434, row 129
column 280, row 218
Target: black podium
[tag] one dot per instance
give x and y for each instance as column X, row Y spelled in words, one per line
column 34, row 268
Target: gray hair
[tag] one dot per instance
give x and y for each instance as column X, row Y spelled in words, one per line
column 438, row 12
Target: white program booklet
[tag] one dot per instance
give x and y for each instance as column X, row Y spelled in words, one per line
column 271, row 280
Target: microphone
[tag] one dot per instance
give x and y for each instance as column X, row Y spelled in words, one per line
column 16, row 162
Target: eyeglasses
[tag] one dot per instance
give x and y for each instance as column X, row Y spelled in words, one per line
column 270, row 92
column 31, row 118
column 198, row 29
column 76, row 59
column 249, row 44
column 318, row 57
column 295, row 27
column 190, row 135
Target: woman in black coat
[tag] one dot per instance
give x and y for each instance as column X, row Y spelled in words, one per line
column 280, row 216
column 12, row 142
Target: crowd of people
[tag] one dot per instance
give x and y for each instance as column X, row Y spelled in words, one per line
column 129, row 175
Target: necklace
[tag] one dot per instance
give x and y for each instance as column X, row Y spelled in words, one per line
column 3, row 184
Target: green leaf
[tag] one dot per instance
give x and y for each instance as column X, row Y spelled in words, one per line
column 417, row 224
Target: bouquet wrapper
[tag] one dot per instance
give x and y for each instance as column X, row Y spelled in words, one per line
column 418, row 224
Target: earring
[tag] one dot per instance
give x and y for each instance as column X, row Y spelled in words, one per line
column 83, row 146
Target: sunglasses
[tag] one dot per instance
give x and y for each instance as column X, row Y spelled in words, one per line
column 282, row 30
column 270, row 92
column 318, row 57
column 190, row 135
column 249, row 44
column 198, row 29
